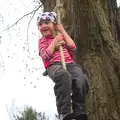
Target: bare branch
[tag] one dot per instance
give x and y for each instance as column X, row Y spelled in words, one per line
column 23, row 17
column 2, row 66
column 2, row 20
column 27, row 32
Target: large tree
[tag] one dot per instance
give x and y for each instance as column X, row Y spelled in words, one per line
column 94, row 25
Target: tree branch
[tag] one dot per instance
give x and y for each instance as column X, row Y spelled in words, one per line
column 2, row 20
column 23, row 17
column 27, row 32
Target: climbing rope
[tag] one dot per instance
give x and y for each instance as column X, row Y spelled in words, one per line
column 57, row 9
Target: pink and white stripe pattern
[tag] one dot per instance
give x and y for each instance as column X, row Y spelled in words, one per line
column 48, row 57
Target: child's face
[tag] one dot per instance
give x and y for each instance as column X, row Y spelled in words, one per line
column 46, row 28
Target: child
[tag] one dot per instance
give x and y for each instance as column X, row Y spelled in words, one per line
column 66, row 82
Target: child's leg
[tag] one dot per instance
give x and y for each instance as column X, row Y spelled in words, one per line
column 80, row 87
column 62, row 88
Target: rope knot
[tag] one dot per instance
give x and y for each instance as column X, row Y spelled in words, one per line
column 58, row 7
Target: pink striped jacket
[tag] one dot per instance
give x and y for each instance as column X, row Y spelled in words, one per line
column 49, row 58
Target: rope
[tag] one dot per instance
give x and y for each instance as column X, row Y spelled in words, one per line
column 57, row 9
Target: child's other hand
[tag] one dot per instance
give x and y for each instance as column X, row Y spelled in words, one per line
column 60, row 28
column 60, row 43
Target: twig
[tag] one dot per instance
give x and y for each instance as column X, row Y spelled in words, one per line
column 22, row 18
column 2, row 20
column 2, row 67
column 27, row 32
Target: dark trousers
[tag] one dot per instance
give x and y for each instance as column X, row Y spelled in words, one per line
column 73, row 81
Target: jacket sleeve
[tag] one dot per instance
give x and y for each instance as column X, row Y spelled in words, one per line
column 72, row 48
column 43, row 51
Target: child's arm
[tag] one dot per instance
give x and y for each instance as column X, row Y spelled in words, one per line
column 46, row 52
column 52, row 46
column 58, row 40
column 68, row 40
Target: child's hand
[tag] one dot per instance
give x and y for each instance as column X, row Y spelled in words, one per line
column 60, row 28
column 60, row 43
column 59, row 40
column 59, row 37
column 56, row 42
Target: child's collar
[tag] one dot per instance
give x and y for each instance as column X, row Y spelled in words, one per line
column 50, row 37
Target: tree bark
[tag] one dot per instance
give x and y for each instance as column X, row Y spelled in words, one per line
column 93, row 25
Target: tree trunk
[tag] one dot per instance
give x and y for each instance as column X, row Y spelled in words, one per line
column 94, row 26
